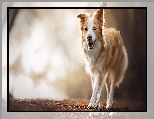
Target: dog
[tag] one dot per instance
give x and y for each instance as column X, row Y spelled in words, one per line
column 105, row 56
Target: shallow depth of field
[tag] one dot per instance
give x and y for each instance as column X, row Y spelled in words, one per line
column 46, row 60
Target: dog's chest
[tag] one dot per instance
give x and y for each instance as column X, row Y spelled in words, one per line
column 92, row 55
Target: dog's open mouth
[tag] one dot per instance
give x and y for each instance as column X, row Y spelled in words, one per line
column 91, row 45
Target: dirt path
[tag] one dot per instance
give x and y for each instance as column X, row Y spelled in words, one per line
column 63, row 105
column 64, row 109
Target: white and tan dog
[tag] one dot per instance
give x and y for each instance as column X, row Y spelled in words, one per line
column 105, row 56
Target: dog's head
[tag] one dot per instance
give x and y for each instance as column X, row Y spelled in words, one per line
column 91, row 27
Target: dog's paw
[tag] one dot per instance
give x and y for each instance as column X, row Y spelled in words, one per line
column 92, row 105
column 108, row 106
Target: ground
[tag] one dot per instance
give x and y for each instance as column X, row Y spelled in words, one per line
column 64, row 109
column 62, row 105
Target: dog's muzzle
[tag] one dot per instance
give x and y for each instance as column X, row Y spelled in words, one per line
column 90, row 43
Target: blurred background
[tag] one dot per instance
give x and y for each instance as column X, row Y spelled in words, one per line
column 46, row 59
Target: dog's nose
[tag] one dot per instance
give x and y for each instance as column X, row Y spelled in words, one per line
column 89, row 37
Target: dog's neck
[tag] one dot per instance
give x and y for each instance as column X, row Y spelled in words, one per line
column 91, row 55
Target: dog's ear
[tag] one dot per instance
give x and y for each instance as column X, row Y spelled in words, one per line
column 82, row 17
column 98, row 15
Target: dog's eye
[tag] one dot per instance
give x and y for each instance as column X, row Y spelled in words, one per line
column 86, row 29
column 94, row 28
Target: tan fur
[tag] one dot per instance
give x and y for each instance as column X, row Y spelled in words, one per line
column 110, row 62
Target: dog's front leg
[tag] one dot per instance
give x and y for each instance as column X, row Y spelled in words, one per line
column 96, row 93
column 111, row 93
column 92, row 82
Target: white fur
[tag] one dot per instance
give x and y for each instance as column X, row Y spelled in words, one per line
column 92, row 55
column 90, row 29
column 111, row 93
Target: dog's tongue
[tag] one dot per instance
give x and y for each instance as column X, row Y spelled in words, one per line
column 90, row 45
